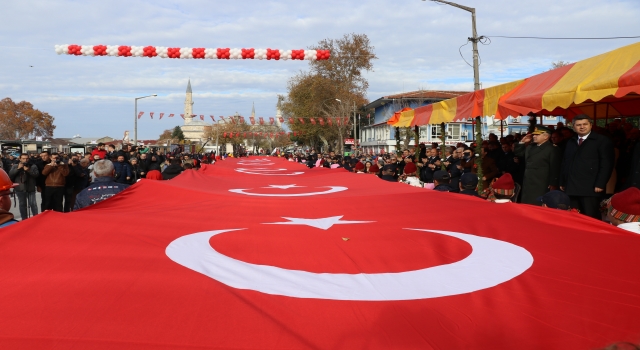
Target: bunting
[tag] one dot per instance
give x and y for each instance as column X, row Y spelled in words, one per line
column 252, row 120
column 161, row 115
column 271, row 120
column 140, row 115
column 151, row 115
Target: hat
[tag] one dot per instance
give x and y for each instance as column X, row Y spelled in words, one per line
column 5, row 183
column 504, row 185
column 441, row 175
column 469, row 180
column 374, row 168
column 359, row 166
column 541, row 130
column 410, row 168
column 625, row 206
column 556, row 200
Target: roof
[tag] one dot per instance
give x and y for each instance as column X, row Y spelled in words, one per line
column 189, row 86
column 426, row 95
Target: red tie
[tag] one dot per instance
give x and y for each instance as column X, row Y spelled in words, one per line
column 580, row 141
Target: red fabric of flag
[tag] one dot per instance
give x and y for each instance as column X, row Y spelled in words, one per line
column 291, row 121
column 151, row 114
column 272, row 120
column 202, row 117
column 312, row 121
column 261, row 120
column 306, row 268
column 329, row 121
column 170, row 115
column 301, row 120
column 140, row 115
column 161, row 115
column 252, row 120
column 321, row 121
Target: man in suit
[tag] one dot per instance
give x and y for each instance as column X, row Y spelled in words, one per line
column 586, row 167
column 542, row 164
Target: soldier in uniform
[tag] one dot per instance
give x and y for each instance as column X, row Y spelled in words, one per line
column 542, row 164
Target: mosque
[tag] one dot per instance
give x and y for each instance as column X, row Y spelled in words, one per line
column 193, row 130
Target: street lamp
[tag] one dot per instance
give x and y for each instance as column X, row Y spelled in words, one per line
column 354, row 122
column 474, row 40
column 135, row 114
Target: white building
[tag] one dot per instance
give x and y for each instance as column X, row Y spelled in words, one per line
column 193, row 130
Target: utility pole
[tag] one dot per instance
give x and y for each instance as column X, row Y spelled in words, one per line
column 474, row 40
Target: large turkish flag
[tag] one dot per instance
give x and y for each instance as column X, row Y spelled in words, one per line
column 264, row 253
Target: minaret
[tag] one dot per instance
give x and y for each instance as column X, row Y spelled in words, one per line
column 253, row 110
column 279, row 112
column 188, row 105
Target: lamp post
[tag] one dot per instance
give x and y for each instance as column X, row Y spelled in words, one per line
column 135, row 119
column 354, row 122
column 474, row 40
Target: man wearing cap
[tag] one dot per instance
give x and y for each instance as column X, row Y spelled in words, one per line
column 542, row 164
column 6, row 218
column 388, row 173
column 623, row 209
column 468, row 185
column 555, row 200
column 502, row 189
column 441, row 180
column 586, row 167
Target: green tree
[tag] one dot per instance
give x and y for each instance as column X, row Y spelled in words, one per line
column 177, row 134
column 24, row 120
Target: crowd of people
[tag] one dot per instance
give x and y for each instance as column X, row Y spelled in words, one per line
column 67, row 182
column 578, row 169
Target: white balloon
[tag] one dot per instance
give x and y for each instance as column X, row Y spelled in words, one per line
column 211, row 54
column 186, row 52
column 112, row 50
column 161, row 51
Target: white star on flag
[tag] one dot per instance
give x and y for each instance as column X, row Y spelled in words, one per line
column 321, row 223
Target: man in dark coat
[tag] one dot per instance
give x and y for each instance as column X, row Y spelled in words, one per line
column 633, row 180
column 586, row 167
column 542, row 164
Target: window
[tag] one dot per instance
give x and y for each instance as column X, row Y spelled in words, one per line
column 436, row 131
column 453, row 131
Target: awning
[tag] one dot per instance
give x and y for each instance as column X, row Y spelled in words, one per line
column 602, row 86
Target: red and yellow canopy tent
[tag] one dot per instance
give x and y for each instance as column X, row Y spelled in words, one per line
column 603, row 86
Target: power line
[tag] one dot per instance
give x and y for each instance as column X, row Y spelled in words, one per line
column 549, row 38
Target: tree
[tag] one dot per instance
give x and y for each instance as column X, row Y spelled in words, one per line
column 558, row 64
column 316, row 93
column 177, row 134
column 22, row 119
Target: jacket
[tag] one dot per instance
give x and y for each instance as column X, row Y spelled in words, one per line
column 26, row 179
column 56, row 175
column 171, row 171
column 542, row 166
column 633, row 180
column 123, row 171
column 587, row 166
column 102, row 188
